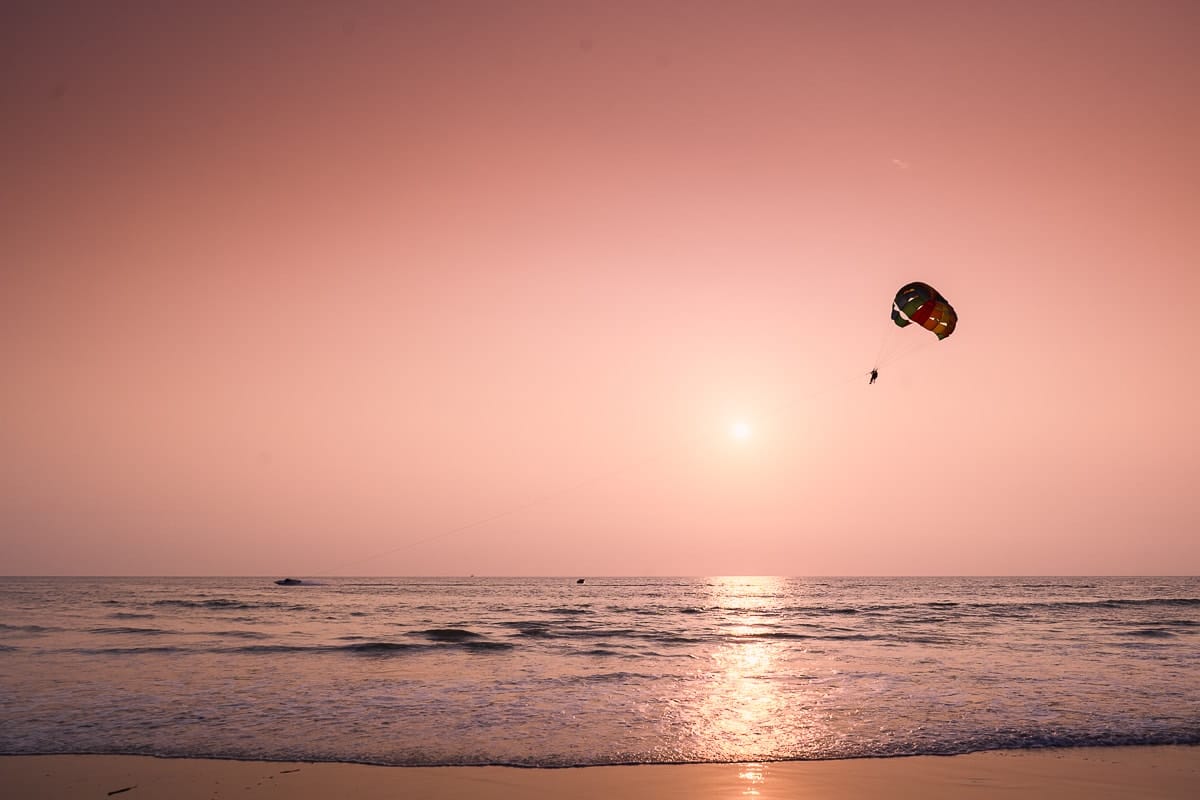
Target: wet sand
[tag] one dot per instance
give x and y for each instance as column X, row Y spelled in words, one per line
column 1094, row 773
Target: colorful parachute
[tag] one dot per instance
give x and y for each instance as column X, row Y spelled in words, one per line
column 921, row 303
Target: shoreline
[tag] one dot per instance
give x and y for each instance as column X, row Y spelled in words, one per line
column 1167, row 772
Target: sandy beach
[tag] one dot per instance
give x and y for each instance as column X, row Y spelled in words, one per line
column 1094, row 773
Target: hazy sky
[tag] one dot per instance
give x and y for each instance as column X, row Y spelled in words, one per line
column 313, row 288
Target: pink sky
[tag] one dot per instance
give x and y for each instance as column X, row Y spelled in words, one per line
column 307, row 288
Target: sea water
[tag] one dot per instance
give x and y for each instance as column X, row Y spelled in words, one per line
column 552, row 672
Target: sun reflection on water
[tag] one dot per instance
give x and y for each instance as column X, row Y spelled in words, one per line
column 754, row 775
column 743, row 707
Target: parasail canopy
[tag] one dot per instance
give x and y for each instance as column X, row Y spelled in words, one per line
column 921, row 303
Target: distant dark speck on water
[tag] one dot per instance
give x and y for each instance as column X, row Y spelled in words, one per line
column 579, row 581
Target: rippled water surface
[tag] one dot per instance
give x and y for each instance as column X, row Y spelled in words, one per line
column 549, row 672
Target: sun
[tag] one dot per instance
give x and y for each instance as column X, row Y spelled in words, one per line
column 741, row 430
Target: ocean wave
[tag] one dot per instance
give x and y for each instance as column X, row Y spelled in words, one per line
column 238, row 634
column 447, row 634
column 1149, row 633
column 380, row 648
column 488, row 645
column 239, row 605
column 316, row 752
column 271, row 649
column 223, row 604
column 144, row 650
column 368, row 648
column 459, row 637
column 1055, row 585
column 29, row 628
column 123, row 629
column 1182, row 602
column 853, row 637
column 535, row 631
column 1149, row 602
column 568, row 610
column 1002, row 608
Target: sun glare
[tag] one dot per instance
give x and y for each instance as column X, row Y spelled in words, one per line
column 740, row 430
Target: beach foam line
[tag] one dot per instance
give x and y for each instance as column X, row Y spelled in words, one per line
column 1094, row 773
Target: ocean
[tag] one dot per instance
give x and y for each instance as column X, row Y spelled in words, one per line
column 549, row 672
